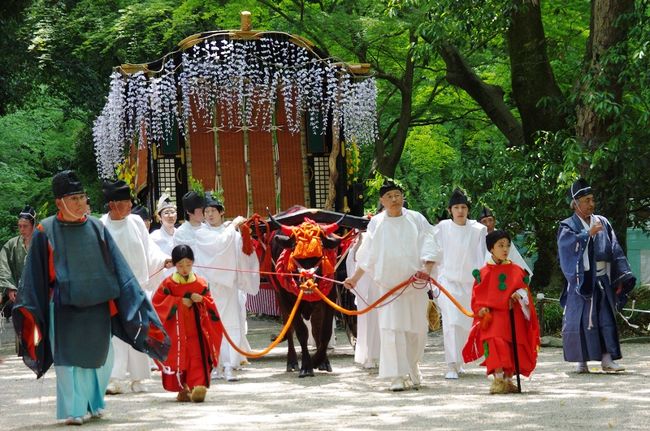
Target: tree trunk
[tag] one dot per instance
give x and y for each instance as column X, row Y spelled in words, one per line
column 534, row 88
column 546, row 262
column 532, row 83
column 597, row 125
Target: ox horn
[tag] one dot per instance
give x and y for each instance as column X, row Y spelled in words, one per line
column 331, row 228
column 287, row 230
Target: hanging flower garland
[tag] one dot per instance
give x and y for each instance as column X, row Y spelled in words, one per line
column 244, row 80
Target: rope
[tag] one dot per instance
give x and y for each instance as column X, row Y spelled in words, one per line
column 277, row 340
column 542, row 298
column 313, row 287
column 373, row 305
column 345, row 311
column 250, row 271
column 451, row 298
column 404, row 284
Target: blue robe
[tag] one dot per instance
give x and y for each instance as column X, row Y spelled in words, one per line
column 77, row 338
column 589, row 298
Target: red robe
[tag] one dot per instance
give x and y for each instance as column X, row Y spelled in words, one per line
column 195, row 333
column 492, row 337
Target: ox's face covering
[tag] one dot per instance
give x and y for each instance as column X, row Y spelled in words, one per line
column 307, row 243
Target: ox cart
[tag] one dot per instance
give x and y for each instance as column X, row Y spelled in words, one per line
column 266, row 118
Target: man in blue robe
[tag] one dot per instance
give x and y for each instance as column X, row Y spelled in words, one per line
column 598, row 281
column 76, row 291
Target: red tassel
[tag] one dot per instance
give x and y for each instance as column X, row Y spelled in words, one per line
column 247, row 241
column 326, row 267
column 486, row 320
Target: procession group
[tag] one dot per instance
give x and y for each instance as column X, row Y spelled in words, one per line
column 105, row 301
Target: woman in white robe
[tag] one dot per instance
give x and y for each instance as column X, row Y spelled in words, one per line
column 463, row 250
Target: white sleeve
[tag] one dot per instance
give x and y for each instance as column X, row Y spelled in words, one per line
column 248, row 269
column 430, row 250
column 523, row 302
column 185, row 235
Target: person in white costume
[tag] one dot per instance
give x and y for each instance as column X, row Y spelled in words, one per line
column 487, row 219
column 142, row 212
column 193, row 206
column 166, row 215
column 463, row 250
column 218, row 257
column 367, row 347
column 231, row 299
column 130, row 367
column 399, row 244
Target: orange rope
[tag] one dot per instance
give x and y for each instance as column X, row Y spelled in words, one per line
column 365, row 310
column 451, row 298
column 386, row 295
column 277, row 340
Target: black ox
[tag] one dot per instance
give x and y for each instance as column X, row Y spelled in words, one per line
column 303, row 243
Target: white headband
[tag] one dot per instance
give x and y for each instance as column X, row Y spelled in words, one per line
column 573, row 195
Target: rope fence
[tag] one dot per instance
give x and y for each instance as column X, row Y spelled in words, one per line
column 541, row 299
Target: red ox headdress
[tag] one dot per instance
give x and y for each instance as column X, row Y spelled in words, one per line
column 308, row 238
column 307, row 247
column 309, row 243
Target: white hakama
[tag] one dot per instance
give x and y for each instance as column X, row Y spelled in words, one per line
column 394, row 249
column 147, row 261
column 463, row 251
column 366, row 350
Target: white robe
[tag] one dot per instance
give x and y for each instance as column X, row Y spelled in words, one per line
column 163, row 240
column 394, row 249
column 147, row 263
column 366, row 350
column 218, row 257
column 463, row 250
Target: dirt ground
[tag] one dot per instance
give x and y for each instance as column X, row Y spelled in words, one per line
column 350, row 398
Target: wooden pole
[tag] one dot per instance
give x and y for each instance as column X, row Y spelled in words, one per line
column 246, row 20
column 514, row 345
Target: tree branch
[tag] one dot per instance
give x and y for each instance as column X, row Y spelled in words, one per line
column 442, row 120
column 489, row 97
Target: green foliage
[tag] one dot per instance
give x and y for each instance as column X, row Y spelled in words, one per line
column 36, row 142
column 427, row 161
column 59, row 53
column 551, row 318
column 218, row 195
column 196, row 186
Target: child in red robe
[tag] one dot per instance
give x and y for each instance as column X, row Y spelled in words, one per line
column 190, row 316
column 500, row 285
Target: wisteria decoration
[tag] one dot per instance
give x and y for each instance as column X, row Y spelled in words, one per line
column 234, row 85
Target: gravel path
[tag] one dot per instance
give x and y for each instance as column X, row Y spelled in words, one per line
column 267, row 398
